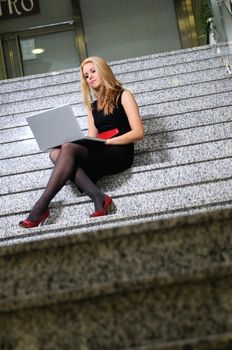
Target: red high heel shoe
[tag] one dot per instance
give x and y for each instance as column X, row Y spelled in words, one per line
column 105, row 210
column 29, row 224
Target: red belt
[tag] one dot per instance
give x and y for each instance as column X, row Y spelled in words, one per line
column 108, row 134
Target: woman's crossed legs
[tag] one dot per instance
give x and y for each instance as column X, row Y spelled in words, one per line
column 67, row 160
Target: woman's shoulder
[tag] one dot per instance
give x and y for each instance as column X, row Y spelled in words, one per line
column 126, row 96
column 126, row 93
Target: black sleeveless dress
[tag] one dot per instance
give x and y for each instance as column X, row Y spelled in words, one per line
column 109, row 159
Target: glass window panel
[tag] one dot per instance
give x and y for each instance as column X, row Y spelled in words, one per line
column 58, row 52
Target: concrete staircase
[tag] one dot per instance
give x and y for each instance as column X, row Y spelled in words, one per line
column 154, row 275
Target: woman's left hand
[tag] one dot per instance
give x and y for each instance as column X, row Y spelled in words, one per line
column 112, row 141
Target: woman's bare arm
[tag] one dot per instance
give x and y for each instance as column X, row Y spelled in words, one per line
column 92, row 130
column 137, row 132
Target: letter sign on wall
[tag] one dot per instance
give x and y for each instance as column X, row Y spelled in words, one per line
column 18, row 8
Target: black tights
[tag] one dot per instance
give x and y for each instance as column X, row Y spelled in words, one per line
column 67, row 166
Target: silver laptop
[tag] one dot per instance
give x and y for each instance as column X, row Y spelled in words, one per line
column 56, row 126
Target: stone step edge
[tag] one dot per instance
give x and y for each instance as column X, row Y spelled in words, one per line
column 223, row 269
column 76, row 105
column 136, row 169
column 202, row 48
column 212, row 95
column 133, row 171
column 148, row 133
column 145, row 117
column 215, row 81
column 143, row 106
column 138, row 149
column 211, row 342
column 43, row 237
column 146, row 121
column 218, row 66
column 33, row 77
column 81, row 200
column 124, row 61
column 137, row 153
column 126, row 82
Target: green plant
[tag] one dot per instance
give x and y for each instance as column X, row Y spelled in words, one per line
column 205, row 13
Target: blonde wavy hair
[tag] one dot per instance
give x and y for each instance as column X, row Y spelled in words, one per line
column 109, row 91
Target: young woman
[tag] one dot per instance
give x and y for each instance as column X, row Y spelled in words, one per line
column 112, row 114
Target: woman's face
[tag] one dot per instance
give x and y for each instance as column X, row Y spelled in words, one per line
column 91, row 75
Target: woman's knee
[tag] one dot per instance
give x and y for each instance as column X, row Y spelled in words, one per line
column 67, row 145
column 74, row 151
column 67, row 148
column 72, row 148
column 54, row 154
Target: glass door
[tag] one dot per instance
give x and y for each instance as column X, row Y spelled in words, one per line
column 41, row 49
column 48, row 52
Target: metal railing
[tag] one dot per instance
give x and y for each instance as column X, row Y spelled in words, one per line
column 218, row 34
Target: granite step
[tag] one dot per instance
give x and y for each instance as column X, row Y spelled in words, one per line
column 100, row 284
column 208, row 342
column 15, row 238
column 215, row 101
column 24, row 185
column 206, row 57
column 190, row 118
column 152, row 140
column 144, row 94
column 151, row 123
column 175, row 201
column 194, row 104
column 199, row 54
column 163, row 76
column 159, row 158
column 149, row 103
column 129, row 81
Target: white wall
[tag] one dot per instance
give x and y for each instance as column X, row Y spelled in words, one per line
column 128, row 28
